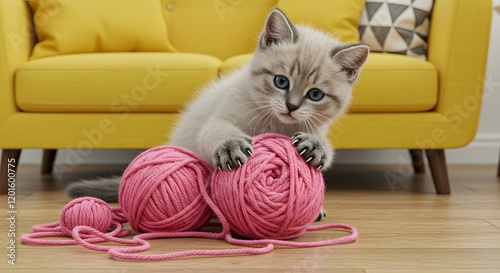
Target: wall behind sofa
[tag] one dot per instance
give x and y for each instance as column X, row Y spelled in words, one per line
column 484, row 149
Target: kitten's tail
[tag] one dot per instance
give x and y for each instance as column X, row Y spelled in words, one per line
column 102, row 188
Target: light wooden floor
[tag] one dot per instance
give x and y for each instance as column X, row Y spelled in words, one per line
column 403, row 226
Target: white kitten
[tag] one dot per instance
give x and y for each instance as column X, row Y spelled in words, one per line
column 298, row 81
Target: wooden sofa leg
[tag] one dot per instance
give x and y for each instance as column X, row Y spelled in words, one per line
column 437, row 164
column 417, row 158
column 498, row 171
column 9, row 163
column 49, row 156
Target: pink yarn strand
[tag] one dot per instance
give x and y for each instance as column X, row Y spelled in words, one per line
column 169, row 192
column 123, row 253
column 342, row 240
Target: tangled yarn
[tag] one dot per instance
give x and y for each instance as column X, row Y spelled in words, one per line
column 170, row 192
column 274, row 195
column 160, row 190
column 86, row 211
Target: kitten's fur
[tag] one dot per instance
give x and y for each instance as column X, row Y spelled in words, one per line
column 218, row 125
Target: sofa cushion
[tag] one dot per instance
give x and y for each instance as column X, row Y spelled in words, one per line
column 388, row 83
column 112, row 82
column 337, row 17
column 84, row 26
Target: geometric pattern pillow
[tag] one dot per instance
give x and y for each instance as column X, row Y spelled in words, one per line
column 396, row 26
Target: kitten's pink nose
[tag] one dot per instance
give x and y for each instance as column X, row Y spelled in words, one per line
column 291, row 107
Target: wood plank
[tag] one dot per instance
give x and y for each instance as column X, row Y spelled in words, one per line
column 495, row 222
column 404, row 229
column 293, row 259
column 431, row 270
column 176, row 270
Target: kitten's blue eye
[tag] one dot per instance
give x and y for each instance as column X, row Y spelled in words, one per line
column 315, row 94
column 281, row 82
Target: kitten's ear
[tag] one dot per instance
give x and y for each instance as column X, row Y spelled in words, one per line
column 351, row 58
column 277, row 29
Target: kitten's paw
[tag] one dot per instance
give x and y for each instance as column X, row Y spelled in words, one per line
column 322, row 214
column 311, row 149
column 233, row 153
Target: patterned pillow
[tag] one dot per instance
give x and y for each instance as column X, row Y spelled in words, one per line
column 396, row 26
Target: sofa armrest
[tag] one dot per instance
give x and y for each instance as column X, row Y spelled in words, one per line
column 16, row 42
column 458, row 47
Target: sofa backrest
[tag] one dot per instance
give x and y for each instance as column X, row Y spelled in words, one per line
column 221, row 28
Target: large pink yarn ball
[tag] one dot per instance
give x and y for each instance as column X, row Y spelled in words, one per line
column 160, row 190
column 274, row 195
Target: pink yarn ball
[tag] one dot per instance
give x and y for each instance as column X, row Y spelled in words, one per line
column 86, row 211
column 274, row 195
column 160, row 190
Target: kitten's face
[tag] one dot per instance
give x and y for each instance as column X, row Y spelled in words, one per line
column 302, row 75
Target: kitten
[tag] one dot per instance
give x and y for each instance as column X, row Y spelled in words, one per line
column 298, row 81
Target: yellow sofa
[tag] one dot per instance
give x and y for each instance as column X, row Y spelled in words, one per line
column 130, row 100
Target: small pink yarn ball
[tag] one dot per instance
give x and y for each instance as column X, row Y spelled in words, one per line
column 274, row 195
column 160, row 190
column 86, row 211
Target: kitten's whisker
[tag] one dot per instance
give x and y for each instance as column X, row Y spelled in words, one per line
column 312, row 125
column 250, row 112
column 300, row 127
column 248, row 104
column 262, row 125
column 261, row 115
column 329, row 125
column 241, row 107
column 272, row 113
column 322, row 116
column 253, row 110
column 334, row 135
column 328, row 128
column 309, row 127
column 250, row 122
column 268, row 112
column 336, row 127
column 334, row 124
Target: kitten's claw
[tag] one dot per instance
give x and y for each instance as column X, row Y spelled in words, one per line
column 233, row 153
column 311, row 149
